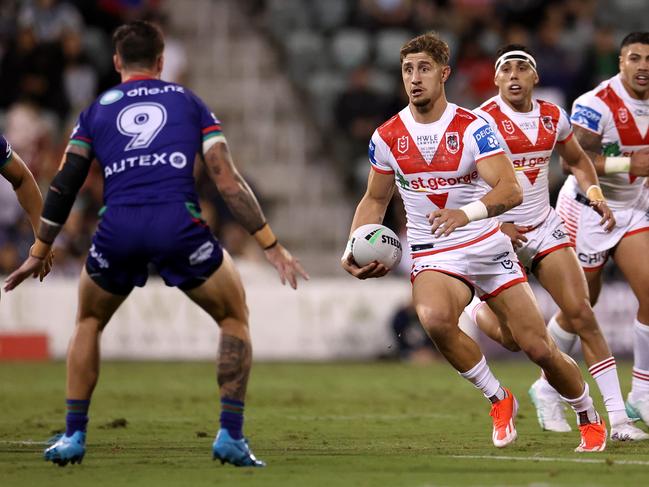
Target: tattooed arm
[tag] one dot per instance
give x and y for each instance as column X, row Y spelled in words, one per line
column 591, row 142
column 244, row 206
column 233, row 188
column 506, row 193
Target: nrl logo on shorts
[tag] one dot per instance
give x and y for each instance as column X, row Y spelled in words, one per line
column 402, row 144
column 547, row 124
column 623, row 115
column 452, row 142
column 508, row 127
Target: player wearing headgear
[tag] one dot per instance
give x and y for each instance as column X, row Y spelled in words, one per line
column 454, row 179
column 529, row 130
column 14, row 170
column 145, row 134
column 611, row 123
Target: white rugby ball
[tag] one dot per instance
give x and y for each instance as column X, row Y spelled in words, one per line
column 374, row 242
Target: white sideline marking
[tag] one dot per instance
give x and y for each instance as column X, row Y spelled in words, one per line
column 24, row 443
column 555, row 459
column 354, row 417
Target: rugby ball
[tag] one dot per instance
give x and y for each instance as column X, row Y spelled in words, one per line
column 374, row 242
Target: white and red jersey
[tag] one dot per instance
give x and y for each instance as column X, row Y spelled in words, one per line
column 435, row 166
column 623, row 123
column 528, row 139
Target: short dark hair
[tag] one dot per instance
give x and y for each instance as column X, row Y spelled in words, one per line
column 431, row 44
column 138, row 43
column 513, row 47
column 635, row 38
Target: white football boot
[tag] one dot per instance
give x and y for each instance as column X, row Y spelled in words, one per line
column 550, row 410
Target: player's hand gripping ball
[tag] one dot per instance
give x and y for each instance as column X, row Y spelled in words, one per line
column 374, row 242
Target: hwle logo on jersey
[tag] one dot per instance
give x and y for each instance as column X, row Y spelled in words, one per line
column 586, row 116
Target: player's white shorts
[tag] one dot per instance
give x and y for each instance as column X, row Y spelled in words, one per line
column 488, row 265
column 592, row 243
column 543, row 239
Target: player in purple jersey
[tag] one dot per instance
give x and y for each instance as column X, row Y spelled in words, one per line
column 145, row 134
column 14, row 170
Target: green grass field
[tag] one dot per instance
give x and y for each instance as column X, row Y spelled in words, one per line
column 380, row 424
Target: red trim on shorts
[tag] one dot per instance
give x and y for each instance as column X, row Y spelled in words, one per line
column 637, row 230
column 381, row 171
column 458, row 246
column 507, row 285
column 593, row 269
column 462, row 278
column 552, row 249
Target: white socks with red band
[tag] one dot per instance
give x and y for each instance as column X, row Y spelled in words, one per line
column 482, row 377
column 605, row 374
column 583, row 407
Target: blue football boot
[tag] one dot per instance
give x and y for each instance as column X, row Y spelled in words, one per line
column 67, row 449
column 236, row 452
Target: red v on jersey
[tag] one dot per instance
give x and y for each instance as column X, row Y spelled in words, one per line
column 407, row 155
column 624, row 122
column 532, row 174
column 438, row 199
column 516, row 140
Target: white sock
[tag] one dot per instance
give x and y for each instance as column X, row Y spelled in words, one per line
column 564, row 339
column 583, row 407
column 481, row 377
column 640, row 381
column 640, row 345
column 605, row 374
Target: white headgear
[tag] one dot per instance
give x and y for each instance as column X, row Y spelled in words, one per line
column 516, row 56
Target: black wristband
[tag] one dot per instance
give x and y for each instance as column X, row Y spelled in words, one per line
column 271, row 245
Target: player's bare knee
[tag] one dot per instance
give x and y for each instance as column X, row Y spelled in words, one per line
column 439, row 324
column 581, row 315
column 538, row 352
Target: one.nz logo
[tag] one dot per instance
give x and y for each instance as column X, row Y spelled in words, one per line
column 111, row 97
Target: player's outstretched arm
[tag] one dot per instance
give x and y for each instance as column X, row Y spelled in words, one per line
column 58, row 203
column 637, row 164
column 244, row 206
column 576, row 160
column 371, row 209
column 29, row 197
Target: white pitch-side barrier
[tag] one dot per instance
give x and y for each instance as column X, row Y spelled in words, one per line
column 325, row 319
